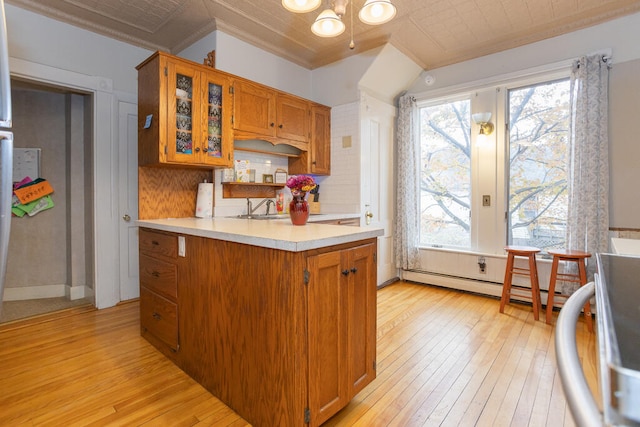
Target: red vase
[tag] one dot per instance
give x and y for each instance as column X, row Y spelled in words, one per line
column 299, row 209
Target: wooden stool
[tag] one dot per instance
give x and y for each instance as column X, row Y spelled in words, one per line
column 574, row 256
column 526, row 252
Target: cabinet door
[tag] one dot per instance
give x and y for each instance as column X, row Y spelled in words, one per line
column 216, row 142
column 184, row 105
column 254, row 108
column 292, row 118
column 327, row 309
column 361, row 316
column 320, row 144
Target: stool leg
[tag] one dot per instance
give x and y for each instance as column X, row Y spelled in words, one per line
column 506, row 287
column 587, row 307
column 552, row 288
column 535, row 287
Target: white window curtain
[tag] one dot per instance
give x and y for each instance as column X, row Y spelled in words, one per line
column 406, row 235
column 588, row 216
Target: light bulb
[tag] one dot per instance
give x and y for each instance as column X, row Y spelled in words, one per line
column 376, row 11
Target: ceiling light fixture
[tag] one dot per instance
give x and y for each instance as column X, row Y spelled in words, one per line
column 329, row 22
column 376, row 12
column 301, row 6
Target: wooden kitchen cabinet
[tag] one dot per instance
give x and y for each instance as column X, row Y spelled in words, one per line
column 342, row 324
column 317, row 160
column 184, row 114
column 159, row 290
column 273, row 343
column 265, row 113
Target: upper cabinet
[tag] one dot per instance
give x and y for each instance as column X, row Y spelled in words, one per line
column 320, row 144
column 184, row 113
column 190, row 115
column 260, row 112
column 317, row 160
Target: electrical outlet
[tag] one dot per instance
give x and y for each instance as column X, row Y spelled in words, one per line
column 486, row 200
column 482, row 265
column 181, row 246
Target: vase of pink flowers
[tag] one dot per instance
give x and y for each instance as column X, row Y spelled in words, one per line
column 299, row 185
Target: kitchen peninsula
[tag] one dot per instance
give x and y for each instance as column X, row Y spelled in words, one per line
column 276, row 320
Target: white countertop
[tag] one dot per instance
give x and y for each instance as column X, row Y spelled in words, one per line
column 625, row 246
column 275, row 234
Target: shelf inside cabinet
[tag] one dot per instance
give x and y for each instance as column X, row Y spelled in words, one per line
column 266, row 147
column 242, row 190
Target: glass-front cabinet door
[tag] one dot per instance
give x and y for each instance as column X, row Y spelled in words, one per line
column 199, row 117
column 218, row 135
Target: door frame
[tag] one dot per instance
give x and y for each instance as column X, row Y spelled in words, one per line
column 377, row 123
column 106, row 280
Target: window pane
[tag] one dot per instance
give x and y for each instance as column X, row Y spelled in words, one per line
column 538, row 153
column 445, row 178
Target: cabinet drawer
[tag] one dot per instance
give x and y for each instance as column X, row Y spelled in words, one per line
column 159, row 276
column 159, row 244
column 159, row 317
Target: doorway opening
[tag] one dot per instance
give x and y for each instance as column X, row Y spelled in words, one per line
column 50, row 264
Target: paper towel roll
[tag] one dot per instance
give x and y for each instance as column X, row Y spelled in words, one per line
column 204, row 200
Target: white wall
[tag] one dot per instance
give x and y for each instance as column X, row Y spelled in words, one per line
column 385, row 82
column 242, row 59
column 337, row 83
column 45, row 41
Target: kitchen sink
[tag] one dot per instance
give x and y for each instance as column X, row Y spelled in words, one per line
column 261, row 217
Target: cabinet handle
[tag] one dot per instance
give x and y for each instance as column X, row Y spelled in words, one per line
column 197, row 149
column 354, row 270
column 272, row 124
column 157, row 316
column 155, row 243
column 155, row 274
column 204, row 150
column 280, row 126
column 345, row 272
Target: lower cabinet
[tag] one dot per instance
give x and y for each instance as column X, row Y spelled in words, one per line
column 342, row 325
column 159, row 290
column 283, row 338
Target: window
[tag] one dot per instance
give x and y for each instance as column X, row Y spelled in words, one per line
column 522, row 167
column 445, row 178
column 538, row 154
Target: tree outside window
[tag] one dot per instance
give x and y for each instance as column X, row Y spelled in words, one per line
column 538, row 164
column 538, row 153
column 445, row 178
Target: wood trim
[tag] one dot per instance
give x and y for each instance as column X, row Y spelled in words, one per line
column 241, row 190
column 623, row 229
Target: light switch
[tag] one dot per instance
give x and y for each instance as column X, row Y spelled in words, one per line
column 486, row 200
column 346, row 141
column 181, row 249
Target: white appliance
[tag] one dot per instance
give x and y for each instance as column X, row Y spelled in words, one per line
column 6, row 150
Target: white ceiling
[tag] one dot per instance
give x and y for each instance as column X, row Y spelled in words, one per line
column 433, row 33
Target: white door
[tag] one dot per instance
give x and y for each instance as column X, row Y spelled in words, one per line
column 377, row 123
column 128, row 199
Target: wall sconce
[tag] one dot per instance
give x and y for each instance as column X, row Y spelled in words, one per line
column 482, row 120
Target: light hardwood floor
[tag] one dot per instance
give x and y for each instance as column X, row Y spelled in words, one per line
column 444, row 358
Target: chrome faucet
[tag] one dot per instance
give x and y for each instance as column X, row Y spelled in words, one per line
column 251, row 209
column 269, row 203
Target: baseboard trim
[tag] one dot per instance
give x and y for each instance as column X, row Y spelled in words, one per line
column 46, row 291
column 459, row 283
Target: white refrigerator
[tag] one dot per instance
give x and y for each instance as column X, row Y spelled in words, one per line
column 6, row 151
